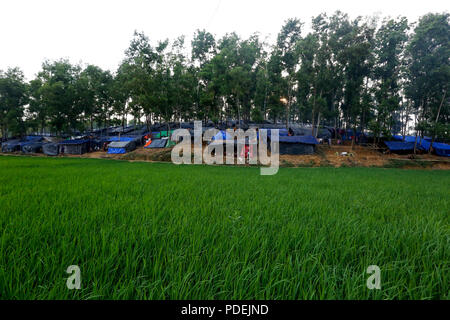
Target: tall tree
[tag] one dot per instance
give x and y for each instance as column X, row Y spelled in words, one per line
column 390, row 41
column 57, row 94
column 13, row 98
column 429, row 73
column 287, row 39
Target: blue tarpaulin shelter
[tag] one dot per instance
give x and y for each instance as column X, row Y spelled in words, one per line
column 407, row 138
column 441, row 149
column 297, row 144
column 116, row 138
column 11, row 146
column 121, row 147
column 399, row 146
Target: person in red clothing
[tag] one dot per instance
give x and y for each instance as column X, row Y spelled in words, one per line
column 290, row 132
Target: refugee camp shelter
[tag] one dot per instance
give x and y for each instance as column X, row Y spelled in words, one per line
column 51, row 149
column 121, row 147
column 78, row 146
column 400, row 146
column 32, row 144
column 158, row 143
column 98, row 143
column 407, row 146
column 441, row 149
column 31, row 147
column 137, row 140
column 11, row 146
column 297, row 144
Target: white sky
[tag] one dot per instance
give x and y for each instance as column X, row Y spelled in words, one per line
column 99, row 31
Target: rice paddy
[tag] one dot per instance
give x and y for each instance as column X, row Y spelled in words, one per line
column 160, row 231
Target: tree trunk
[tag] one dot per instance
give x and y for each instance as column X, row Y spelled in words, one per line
column 436, row 122
column 265, row 102
column 318, row 124
column 239, row 113
column 353, row 137
column 314, row 113
column 415, row 143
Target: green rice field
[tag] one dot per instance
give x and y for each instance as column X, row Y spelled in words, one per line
column 160, row 231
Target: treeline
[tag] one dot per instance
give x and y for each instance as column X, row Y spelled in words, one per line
column 361, row 74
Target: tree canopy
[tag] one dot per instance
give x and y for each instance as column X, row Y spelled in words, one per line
column 366, row 73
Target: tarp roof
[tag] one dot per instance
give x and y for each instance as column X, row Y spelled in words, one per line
column 116, row 138
column 119, row 144
column 441, row 149
column 407, row 138
column 34, row 138
column 298, row 139
column 399, row 145
column 281, row 132
column 158, row 143
column 78, row 141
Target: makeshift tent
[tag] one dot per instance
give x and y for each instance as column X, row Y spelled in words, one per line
column 99, row 143
column 137, row 139
column 51, row 149
column 297, row 144
column 158, row 143
column 75, row 146
column 120, row 147
column 400, row 146
column 32, row 147
column 11, row 146
column 441, row 149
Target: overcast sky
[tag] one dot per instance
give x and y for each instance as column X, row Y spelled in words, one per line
column 99, row 31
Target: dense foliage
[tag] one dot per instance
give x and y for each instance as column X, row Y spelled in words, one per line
column 364, row 73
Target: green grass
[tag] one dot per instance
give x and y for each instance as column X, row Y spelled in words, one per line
column 160, row 231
